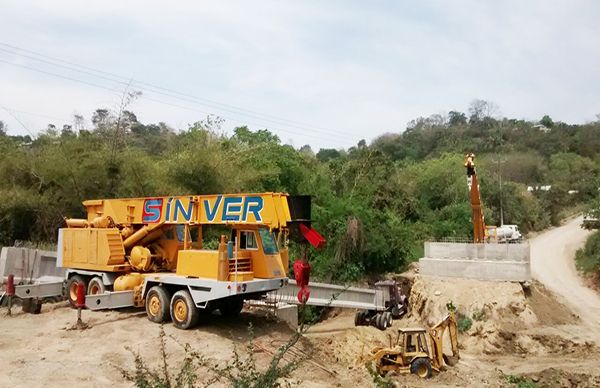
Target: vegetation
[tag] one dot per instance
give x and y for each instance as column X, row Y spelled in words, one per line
column 588, row 257
column 195, row 368
column 480, row 315
column 376, row 203
column 520, row 381
column 463, row 323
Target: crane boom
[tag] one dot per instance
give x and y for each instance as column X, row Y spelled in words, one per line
column 475, row 197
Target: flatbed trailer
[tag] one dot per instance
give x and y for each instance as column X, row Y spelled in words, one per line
column 163, row 294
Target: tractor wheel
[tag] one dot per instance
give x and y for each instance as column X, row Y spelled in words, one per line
column 72, row 288
column 184, row 312
column 157, row 304
column 231, row 307
column 421, row 367
column 96, row 286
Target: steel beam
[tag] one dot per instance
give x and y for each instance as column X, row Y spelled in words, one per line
column 40, row 290
column 109, row 300
column 331, row 295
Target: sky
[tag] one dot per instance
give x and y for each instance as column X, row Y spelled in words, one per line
column 323, row 73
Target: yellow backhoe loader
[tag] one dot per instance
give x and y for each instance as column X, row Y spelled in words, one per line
column 418, row 350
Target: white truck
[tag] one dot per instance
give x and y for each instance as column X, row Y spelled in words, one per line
column 508, row 233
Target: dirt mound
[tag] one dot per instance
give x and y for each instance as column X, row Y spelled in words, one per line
column 546, row 307
column 342, row 342
column 476, row 299
column 493, row 339
column 552, row 377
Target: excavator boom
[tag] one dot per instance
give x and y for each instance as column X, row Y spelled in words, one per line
column 437, row 335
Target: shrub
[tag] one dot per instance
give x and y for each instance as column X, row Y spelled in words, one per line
column 464, row 323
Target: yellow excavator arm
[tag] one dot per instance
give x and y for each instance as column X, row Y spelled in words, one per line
column 437, row 334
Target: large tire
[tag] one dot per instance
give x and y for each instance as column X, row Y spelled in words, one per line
column 96, row 286
column 184, row 312
column 72, row 288
column 157, row 304
column 358, row 318
column 421, row 367
column 389, row 318
column 231, row 307
column 381, row 321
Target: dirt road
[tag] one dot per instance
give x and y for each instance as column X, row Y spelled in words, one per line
column 552, row 263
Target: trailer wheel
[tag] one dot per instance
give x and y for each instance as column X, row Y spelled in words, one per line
column 358, row 318
column 72, row 288
column 157, row 304
column 363, row 316
column 381, row 321
column 231, row 307
column 389, row 318
column 96, row 286
column 421, row 367
column 184, row 312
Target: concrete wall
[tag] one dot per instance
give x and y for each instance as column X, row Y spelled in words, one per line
column 502, row 252
column 505, row 262
column 27, row 263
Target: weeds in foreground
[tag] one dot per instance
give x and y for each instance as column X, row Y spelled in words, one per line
column 520, row 381
column 378, row 380
column 196, row 369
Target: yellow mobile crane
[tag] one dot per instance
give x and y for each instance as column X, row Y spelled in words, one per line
column 149, row 252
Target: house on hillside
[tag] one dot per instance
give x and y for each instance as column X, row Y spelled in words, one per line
column 541, row 127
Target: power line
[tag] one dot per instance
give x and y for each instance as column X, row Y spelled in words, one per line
column 18, row 120
column 332, row 137
column 58, row 75
column 40, row 115
column 197, row 100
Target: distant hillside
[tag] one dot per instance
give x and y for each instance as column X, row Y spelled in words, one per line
column 376, row 203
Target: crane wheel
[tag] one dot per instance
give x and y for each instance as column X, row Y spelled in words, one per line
column 184, row 312
column 421, row 367
column 231, row 307
column 72, row 288
column 157, row 304
column 96, row 286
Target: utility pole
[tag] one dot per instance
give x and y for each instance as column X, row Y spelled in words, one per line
column 499, row 174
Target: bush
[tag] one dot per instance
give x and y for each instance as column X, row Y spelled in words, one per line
column 520, row 381
column 480, row 315
column 464, row 323
column 587, row 259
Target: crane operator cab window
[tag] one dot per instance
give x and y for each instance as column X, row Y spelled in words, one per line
column 269, row 243
column 248, row 240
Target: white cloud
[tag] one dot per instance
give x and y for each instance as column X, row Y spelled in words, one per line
column 352, row 67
